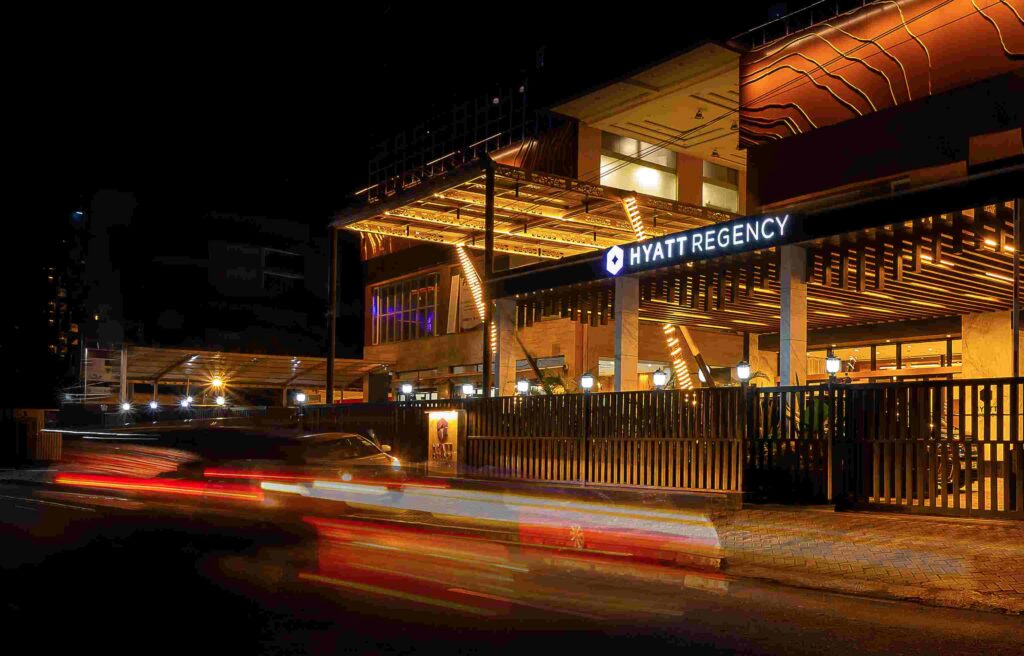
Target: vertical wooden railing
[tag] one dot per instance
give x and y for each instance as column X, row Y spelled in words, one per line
column 788, row 445
column 948, row 447
column 942, row 447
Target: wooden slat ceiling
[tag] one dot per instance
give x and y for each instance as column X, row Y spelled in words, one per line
column 953, row 264
column 535, row 214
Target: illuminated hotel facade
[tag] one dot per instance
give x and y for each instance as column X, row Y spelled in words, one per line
column 850, row 189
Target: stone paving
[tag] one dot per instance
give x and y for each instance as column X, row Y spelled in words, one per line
column 963, row 563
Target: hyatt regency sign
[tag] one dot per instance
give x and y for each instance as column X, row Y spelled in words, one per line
column 726, row 238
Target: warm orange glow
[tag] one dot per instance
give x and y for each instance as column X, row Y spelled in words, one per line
column 184, row 488
column 633, row 212
column 676, row 350
column 476, row 290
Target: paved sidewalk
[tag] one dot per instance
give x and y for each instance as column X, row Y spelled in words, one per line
column 948, row 562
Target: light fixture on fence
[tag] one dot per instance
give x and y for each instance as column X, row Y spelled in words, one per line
column 126, row 407
column 406, row 388
column 833, row 364
column 153, row 405
column 743, row 371
column 221, row 400
column 660, row 378
column 522, row 386
column 300, row 397
column 217, row 382
column 467, row 389
column 587, row 381
column 186, row 402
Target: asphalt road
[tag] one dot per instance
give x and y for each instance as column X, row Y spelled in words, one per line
column 81, row 572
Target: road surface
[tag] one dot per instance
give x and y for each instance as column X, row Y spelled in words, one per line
column 82, row 571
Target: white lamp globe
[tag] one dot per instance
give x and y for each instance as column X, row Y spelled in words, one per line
column 467, row 389
column 660, row 378
column 587, row 381
column 743, row 371
column 833, row 364
column 522, row 386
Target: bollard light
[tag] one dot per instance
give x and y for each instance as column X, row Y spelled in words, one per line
column 406, row 388
column 126, row 407
column 153, row 405
column 522, row 386
column 467, row 389
column 221, row 400
column 660, row 378
column 743, row 371
column 587, row 381
column 300, row 397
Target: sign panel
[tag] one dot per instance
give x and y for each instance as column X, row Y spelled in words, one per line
column 748, row 233
column 443, row 442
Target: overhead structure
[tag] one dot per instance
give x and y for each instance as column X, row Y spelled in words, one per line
column 156, row 365
column 535, row 214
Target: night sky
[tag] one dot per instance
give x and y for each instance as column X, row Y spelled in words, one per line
column 271, row 112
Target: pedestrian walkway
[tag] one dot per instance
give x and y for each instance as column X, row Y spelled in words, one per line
column 949, row 562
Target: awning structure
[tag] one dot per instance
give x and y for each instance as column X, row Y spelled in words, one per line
column 535, row 214
column 924, row 264
column 166, row 365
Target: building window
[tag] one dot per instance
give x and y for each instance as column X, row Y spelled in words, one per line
column 282, row 271
column 721, row 189
column 404, row 310
column 635, row 165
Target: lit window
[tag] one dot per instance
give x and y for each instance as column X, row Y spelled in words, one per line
column 634, row 165
column 721, row 187
column 405, row 310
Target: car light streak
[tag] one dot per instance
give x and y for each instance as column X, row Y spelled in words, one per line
column 184, row 488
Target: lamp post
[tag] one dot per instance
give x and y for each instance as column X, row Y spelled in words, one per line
column 832, row 366
column 587, row 383
column 523, row 386
column 406, row 390
column 660, row 378
column 743, row 372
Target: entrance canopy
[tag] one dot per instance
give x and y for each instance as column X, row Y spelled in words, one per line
column 535, row 214
column 166, row 365
column 937, row 251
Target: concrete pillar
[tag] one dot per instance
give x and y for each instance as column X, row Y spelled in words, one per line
column 505, row 318
column 627, row 332
column 793, row 317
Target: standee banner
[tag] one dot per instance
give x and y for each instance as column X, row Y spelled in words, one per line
column 443, row 441
column 748, row 233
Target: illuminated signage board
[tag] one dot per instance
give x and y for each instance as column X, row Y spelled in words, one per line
column 726, row 238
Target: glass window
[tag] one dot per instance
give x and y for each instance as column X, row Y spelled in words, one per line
column 721, row 187
column 623, row 174
column 405, row 310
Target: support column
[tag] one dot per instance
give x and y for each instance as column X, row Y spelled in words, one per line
column 1015, row 308
column 793, row 321
column 505, row 320
column 332, row 312
column 488, row 272
column 123, row 382
column 627, row 332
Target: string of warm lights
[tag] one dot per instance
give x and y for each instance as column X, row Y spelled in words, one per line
column 675, row 349
column 629, row 204
column 476, row 291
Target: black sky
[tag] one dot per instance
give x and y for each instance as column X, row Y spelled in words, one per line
column 274, row 109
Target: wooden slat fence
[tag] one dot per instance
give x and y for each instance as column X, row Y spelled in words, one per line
column 939, row 447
